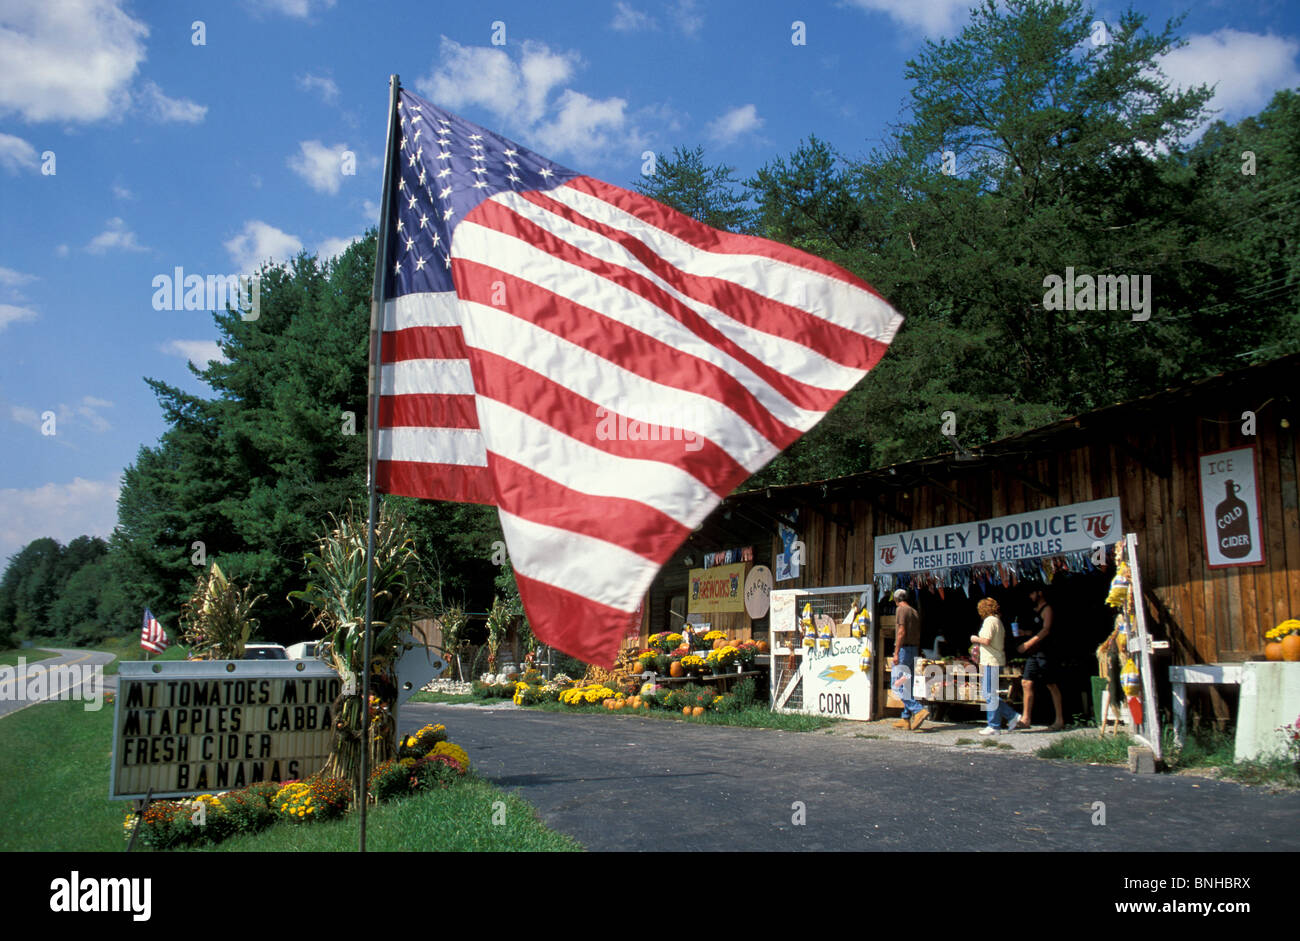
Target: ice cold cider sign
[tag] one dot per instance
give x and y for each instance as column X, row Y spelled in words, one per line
column 1230, row 508
column 197, row 728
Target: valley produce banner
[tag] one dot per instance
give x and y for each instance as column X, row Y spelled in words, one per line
column 1022, row 536
column 718, row 589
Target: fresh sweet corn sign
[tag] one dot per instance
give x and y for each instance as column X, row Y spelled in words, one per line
column 196, row 727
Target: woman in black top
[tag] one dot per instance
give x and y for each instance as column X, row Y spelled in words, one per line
column 1040, row 664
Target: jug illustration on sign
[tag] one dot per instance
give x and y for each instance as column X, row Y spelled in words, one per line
column 1233, row 520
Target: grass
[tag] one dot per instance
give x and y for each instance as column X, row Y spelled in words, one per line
column 128, row 648
column 860, row 735
column 9, row 658
column 54, row 767
column 1088, row 747
column 1206, row 749
column 458, row 819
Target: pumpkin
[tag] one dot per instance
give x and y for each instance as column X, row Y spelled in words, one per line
column 720, row 643
column 686, row 710
column 676, row 669
column 764, row 646
column 697, row 711
column 1273, row 651
column 1291, row 648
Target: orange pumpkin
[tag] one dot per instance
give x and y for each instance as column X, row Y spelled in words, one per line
column 676, row 669
column 763, row 646
column 720, row 643
column 686, row 710
column 1273, row 651
column 1291, row 648
column 697, row 711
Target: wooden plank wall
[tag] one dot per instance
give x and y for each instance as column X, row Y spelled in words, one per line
column 1208, row 615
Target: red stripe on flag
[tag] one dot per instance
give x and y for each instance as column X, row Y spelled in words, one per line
column 710, row 239
column 459, row 482
column 580, row 627
column 427, row 410
column 498, row 217
column 620, row 344
column 640, row 528
column 546, row 400
column 838, row 344
column 423, row 343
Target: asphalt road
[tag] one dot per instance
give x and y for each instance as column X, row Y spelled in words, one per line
column 74, row 683
column 622, row 782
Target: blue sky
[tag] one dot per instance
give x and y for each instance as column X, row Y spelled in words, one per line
column 216, row 156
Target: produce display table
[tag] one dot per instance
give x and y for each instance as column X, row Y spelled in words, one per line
column 722, row 679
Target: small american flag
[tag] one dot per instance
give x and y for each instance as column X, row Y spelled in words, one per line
column 152, row 636
column 601, row 368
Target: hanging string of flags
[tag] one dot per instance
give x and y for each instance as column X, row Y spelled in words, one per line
column 980, row 579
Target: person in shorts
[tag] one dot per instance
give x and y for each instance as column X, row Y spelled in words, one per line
column 1040, row 661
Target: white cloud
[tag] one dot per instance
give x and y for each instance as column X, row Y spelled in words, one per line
column 736, row 122
column 520, row 95
column 67, row 61
column 165, row 110
column 61, row 251
column 332, row 247
column 12, row 279
column 931, row 17
column 320, row 166
column 299, row 9
column 198, row 352
column 370, row 212
column 116, row 236
column 121, row 192
column 61, row 511
column 260, row 242
column 687, row 20
column 16, row 154
column 630, row 20
column 320, row 84
column 1244, row 68
column 12, row 313
column 86, row 412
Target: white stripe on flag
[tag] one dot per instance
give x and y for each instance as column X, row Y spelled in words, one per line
column 608, row 384
column 577, row 465
column 513, row 256
column 592, row 568
column 796, row 360
column 831, row 299
column 433, row 446
column 427, row 309
column 430, row 376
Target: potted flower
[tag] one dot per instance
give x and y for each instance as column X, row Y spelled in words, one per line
column 694, row 664
column 1284, row 641
column 722, row 658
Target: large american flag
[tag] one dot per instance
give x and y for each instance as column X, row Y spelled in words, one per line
column 152, row 636
column 601, row 368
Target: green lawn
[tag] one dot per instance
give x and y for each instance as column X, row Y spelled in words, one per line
column 128, row 648
column 54, row 766
column 9, row 658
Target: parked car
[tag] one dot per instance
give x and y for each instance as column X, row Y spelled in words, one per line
column 303, row 650
column 265, row 652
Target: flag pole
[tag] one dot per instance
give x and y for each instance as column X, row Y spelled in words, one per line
column 372, row 443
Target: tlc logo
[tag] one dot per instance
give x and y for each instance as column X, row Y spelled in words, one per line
column 887, row 554
column 1099, row 525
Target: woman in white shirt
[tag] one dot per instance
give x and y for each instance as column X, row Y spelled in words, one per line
column 992, row 641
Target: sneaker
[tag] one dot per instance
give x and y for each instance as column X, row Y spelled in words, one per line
column 1013, row 723
column 918, row 719
column 988, row 730
column 902, row 724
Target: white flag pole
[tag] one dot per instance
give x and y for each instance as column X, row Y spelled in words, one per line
column 372, row 444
